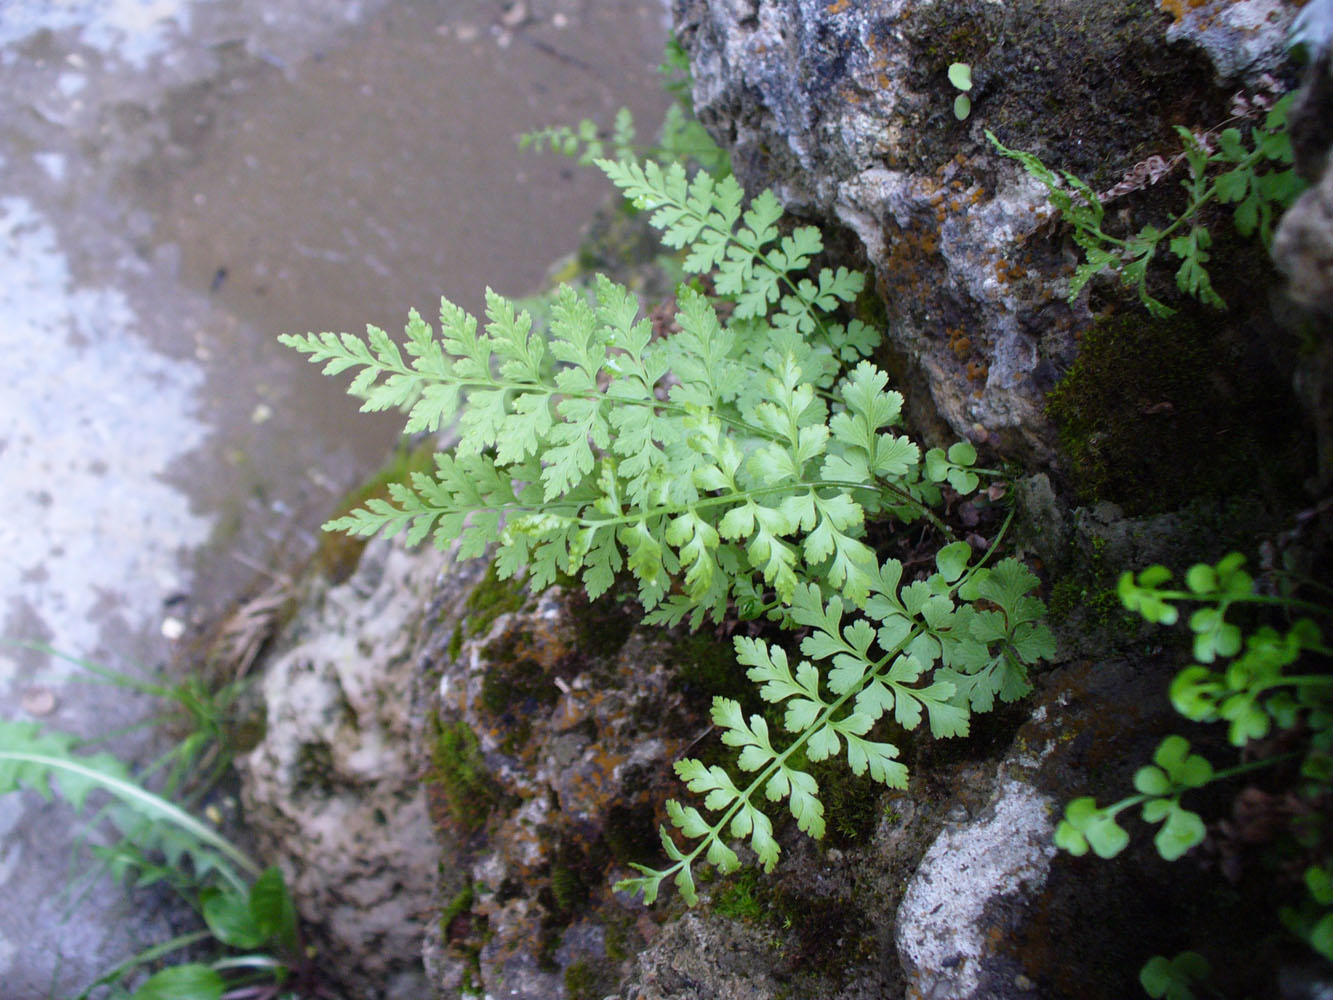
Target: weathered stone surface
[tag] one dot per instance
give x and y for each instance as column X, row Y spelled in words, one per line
column 550, row 730
column 942, row 929
column 1303, row 249
column 1243, row 40
column 551, row 733
column 333, row 791
column 844, row 109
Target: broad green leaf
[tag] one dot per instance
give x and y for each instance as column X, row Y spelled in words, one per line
column 182, row 982
column 229, row 917
column 1181, row 831
column 952, row 560
column 1097, row 829
column 272, row 909
column 1173, row 978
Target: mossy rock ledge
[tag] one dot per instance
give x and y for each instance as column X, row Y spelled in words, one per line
column 452, row 815
column 845, row 111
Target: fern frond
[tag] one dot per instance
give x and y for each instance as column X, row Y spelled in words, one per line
column 756, row 266
column 727, row 468
column 915, row 653
column 576, row 461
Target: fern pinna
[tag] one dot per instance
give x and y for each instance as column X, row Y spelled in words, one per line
column 724, row 465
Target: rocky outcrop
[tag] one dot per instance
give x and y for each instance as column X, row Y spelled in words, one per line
column 845, row 110
column 550, row 727
column 1303, row 249
column 333, row 791
column 544, row 728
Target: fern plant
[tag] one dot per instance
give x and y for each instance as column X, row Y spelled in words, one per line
column 726, row 465
column 680, row 139
column 1255, row 176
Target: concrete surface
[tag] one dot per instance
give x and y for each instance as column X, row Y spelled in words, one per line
column 181, row 180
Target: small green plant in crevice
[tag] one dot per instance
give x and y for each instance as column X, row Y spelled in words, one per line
column 1252, row 173
column 742, row 898
column 1269, row 680
column 960, row 75
column 728, row 467
column 680, row 138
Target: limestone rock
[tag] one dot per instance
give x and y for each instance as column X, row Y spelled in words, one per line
column 844, row 109
column 1303, row 249
column 1243, row 40
column 551, row 726
column 943, row 932
column 333, row 791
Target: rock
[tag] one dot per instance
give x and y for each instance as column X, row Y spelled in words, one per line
column 551, row 731
column 1303, row 250
column 994, row 911
column 701, row 959
column 1303, row 243
column 844, row 109
column 551, row 726
column 1243, row 40
column 943, row 922
column 333, row 790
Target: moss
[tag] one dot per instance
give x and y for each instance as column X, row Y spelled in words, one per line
column 488, row 600
column 580, row 981
column 707, row 668
column 517, row 685
column 630, row 833
column 458, row 769
column 460, row 905
column 586, row 980
column 568, row 889
column 1087, row 596
column 464, row 932
column 822, row 935
column 1155, row 413
column 1115, row 79
column 617, row 940
column 742, row 898
column 604, row 625
column 851, row 803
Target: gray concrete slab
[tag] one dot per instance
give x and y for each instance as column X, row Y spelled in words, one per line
column 181, row 180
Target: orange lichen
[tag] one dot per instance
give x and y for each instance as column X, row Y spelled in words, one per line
column 1177, row 8
column 959, row 342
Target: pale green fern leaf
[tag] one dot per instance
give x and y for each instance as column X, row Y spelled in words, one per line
column 726, row 468
column 900, row 668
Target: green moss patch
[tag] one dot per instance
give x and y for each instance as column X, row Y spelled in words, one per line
column 1050, row 75
column 1156, row 413
column 489, row 599
column 460, row 772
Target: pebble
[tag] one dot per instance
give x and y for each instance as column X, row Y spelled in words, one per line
column 38, row 701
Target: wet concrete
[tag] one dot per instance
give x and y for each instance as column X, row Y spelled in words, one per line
column 179, row 182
